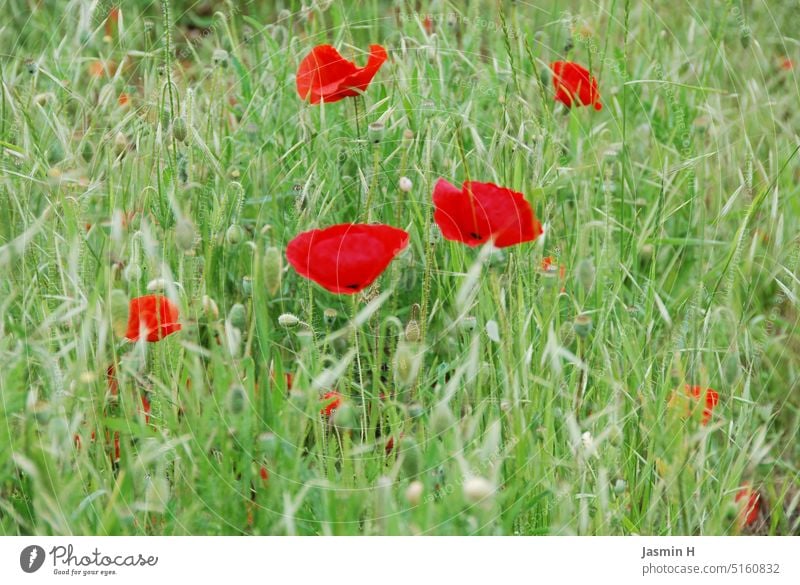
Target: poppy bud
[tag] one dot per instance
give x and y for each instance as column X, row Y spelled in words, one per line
column 238, row 316
column 247, row 286
column 210, row 307
column 411, row 463
column 414, row 492
column 375, row 132
column 434, row 235
column 619, row 486
column 119, row 304
column 184, row 234
column 329, row 315
column 478, row 490
column 406, row 365
column 120, row 143
column 31, row 66
column 582, row 325
column 220, row 58
column 586, row 273
column 441, row 419
column 273, row 268
column 234, row 234
column 745, row 36
column 468, row 323
column 179, row 129
column 236, row 399
column 412, row 331
column 133, row 272
column 545, row 76
column 288, row 320
column 405, row 184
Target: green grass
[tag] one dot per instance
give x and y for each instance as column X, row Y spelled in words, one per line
column 674, row 211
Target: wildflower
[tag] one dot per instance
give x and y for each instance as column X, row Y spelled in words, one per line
column 151, row 317
column 750, row 506
column 324, row 75
column 479, row 212
column 710, row 397
column 333, row 401
column 345, row 258
column 574, row 83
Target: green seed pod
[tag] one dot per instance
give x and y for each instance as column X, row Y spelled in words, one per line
column 236, row 399
column 375, row 132
column 179, row 129
column 329, row 316
column 247, row 286
column 408, row 449
column 619, row 486
column 238, row 316
column 288, row 320
column 234, row 234
column 545, row 76
column 118, row 305
column 185, row 234
column 273, row 270
column 582, row 325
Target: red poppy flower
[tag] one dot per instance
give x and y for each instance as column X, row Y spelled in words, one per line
column 324, row 75
column 711, row 398
column 153, row 317
column 146, row 408
column 479, row 212
column 750, row 507
column 333, row 400
column 574, row 83
column 345, row 258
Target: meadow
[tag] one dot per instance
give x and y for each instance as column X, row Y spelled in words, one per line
column 630, row 366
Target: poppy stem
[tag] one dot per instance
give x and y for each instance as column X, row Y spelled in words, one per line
column 376, row 161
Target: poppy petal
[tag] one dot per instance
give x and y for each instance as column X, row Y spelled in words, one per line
column 153, row 317
column 321, row 73
column 572, row 83
column 345, row 258
column 483, row 211
column 362, row 78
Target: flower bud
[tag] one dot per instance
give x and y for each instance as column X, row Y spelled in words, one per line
column 405, row 184
column 619, row 486
column 412, row 331
column 185, row 234
column 180, row 129
column 288, row 320
column 118, row 305
column 120, row 143
column 210, row 307
column 273, row 269
column 237, row 315
column 247, row 286
column 234, row 234
column 414, row 492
